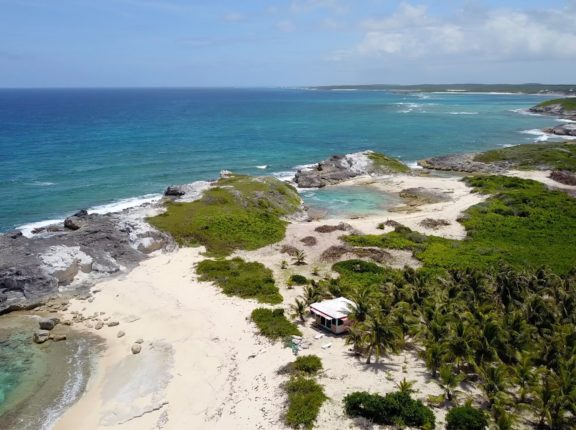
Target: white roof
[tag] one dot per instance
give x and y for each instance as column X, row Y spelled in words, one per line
column 335, row 308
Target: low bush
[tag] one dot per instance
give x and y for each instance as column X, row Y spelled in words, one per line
column 310, row 364
column 392, row 409
column 298, row 280
column 305, row 398
column 239, row 278
column 273, row 324
column 466, row 418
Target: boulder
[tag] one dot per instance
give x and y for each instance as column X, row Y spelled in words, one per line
column 99, row 325
column 112, row 323
column 120, row 334
column 562, row 130
column 77, row 221
column 41, row 336
column 46, row 324
column 339, row 168
column 58, row 337
column 136, row 348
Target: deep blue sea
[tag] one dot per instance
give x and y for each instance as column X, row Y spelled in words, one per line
column 62, row 150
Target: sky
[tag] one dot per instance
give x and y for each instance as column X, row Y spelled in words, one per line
column 255, row 43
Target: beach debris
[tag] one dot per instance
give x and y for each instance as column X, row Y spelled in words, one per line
column 292, row 251
column 99, row 325
column 389, row 223
column 41, row 336
column 564, row 177
column 336, row 252
column 120, row 334
column 434, row 224
column 332, row 228
column 319, row 336
column 47, row 323
column 136, row 348
column 309, row 241
column 326, row 346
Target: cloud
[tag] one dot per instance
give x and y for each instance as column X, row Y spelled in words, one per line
column 496, row 35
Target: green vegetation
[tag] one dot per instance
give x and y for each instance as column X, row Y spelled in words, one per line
column 298, row 280
column 523, row 224
column 305, row 398
column 510, row 331
column 309, row 364
column 387, row 164
column 397, row 409
column 567, row 104
column 240, row 212
column 239, row 278
column 466, row 418
column 273, row 324
column 545, row 156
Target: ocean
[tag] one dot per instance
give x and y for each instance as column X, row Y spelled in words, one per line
column 66, row 149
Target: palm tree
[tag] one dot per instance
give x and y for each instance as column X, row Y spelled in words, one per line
column 494, row 380
column 524, row 375
column 433, row 357
column 450, row 379
column 405, row 386
column 362, row 299
column 356, row 338
column 299, row 309
column 312, row 293
column 381, row 336
column 299, row 258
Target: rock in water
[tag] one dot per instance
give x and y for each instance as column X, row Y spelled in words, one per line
column 339, row 168
column 77, row 221
column 562, row 130
column 41, row 336
column 46, row 324
column 136, row 348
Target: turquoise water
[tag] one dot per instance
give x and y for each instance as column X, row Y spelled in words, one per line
column 348, row 201
column 38, row 382
column 61, row 150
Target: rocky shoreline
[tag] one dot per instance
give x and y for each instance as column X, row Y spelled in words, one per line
column 70, row 256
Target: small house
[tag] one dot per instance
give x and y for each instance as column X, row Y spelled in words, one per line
column 333, row 314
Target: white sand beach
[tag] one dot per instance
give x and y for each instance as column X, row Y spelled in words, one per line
column 202, row 364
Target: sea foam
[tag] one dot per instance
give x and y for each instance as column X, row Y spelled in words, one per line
column 118, row 206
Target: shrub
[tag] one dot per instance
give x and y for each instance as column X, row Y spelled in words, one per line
column 466, row 418
column 305, row 398
column 392, row 409
column 298, row 280
column 239, row 278
column 309, row 364
column 241, row 212
column 273, row 324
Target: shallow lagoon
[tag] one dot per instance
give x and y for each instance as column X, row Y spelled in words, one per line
column 349, row 201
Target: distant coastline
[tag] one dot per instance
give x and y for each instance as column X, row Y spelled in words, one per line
column 533, row 89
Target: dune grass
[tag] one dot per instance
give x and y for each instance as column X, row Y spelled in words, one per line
column 273, row 324
column 305, row 398
column 523, row 224
column 237, row 277
column 239, row 212
column 567, row 103
column 546, row 156
column 387, row 164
